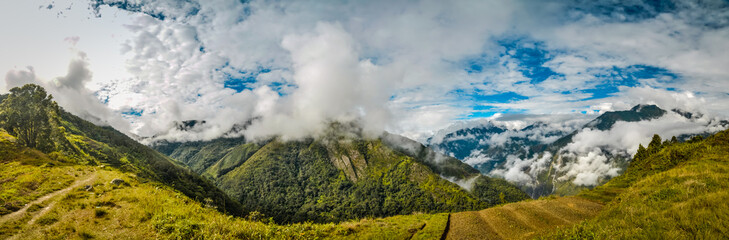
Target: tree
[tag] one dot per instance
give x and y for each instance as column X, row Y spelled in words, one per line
column 655, row 144
column 31, row 115
column 641, row 154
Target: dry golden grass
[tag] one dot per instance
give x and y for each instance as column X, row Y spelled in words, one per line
column 521, row 220
column 148, row 210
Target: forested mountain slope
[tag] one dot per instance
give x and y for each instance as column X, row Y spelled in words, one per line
column 341, row 175
column 81, row 181
column 43, row 198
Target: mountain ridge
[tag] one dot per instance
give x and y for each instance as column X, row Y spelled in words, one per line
column 340, row 175
column 542, row 160
column 78, row 141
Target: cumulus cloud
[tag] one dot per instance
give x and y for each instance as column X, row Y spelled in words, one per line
column 404, row 67
column 544, row 128
column 477, row 158
column 624, row 137
column 71, row 93
column 592, row 155
column 333, row 84
column 463, row 183
column 523, row 171
column 589, row 168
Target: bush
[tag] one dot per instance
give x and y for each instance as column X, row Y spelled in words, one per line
column 35, row 207
column 48, row 219
column 100, row 212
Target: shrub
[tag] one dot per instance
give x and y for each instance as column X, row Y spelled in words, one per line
column 35, row 207
column 48, row 219
column 99, row 212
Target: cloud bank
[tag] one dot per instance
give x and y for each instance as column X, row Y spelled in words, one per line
column 288, row 67
column 594, row 156
column 71, row 93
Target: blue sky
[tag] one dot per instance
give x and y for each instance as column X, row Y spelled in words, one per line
column 409, row 67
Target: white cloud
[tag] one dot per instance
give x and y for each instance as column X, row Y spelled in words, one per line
column 463, row 183
column 625, row 137
column 396, row 66
column 589, row 169
column 523, row 171
column 477, row 158
column 591, row 156
column 71, row 93
column 544, row 128
column 333, row 85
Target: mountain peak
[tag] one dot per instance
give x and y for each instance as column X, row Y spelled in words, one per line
column 638, row 113
column 189, row 124
column 646, row 107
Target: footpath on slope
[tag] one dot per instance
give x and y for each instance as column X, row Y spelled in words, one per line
column 20, row 213
column 520, row 220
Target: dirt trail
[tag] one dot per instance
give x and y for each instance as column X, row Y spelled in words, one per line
column 22, row 211
column 520, row 220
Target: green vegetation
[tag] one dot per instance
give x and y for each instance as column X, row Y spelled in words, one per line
column 35, row 121
column 158, row 200
column 113, row 148
column 670, row 191
column 31, row 115
column 26, row 174
column 150, row 210
column 296, row 181
column 339, row 176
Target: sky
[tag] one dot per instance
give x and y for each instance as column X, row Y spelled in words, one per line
column 289, row 68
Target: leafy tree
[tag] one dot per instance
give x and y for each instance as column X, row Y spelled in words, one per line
column 695, row 139
column 641, row 154
column 31, row 115
column 655, row 144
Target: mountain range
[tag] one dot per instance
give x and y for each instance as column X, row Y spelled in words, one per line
column 82, row 181
column 340, row 175
column 544, row 158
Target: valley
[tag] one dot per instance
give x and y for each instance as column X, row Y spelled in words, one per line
column 565, row 157
column 93, row 182
column 340, row 176
column 372, row 120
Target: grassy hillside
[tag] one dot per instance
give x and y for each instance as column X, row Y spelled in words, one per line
column 671, row 191
column 37, row 125
column 521, row 220
column 199, row 156
column 341, row 176
column 108, row 146
column 26, row 174
column 70, row 201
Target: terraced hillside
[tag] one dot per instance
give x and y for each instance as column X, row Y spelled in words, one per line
column 521, row 220
column 670, row 191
